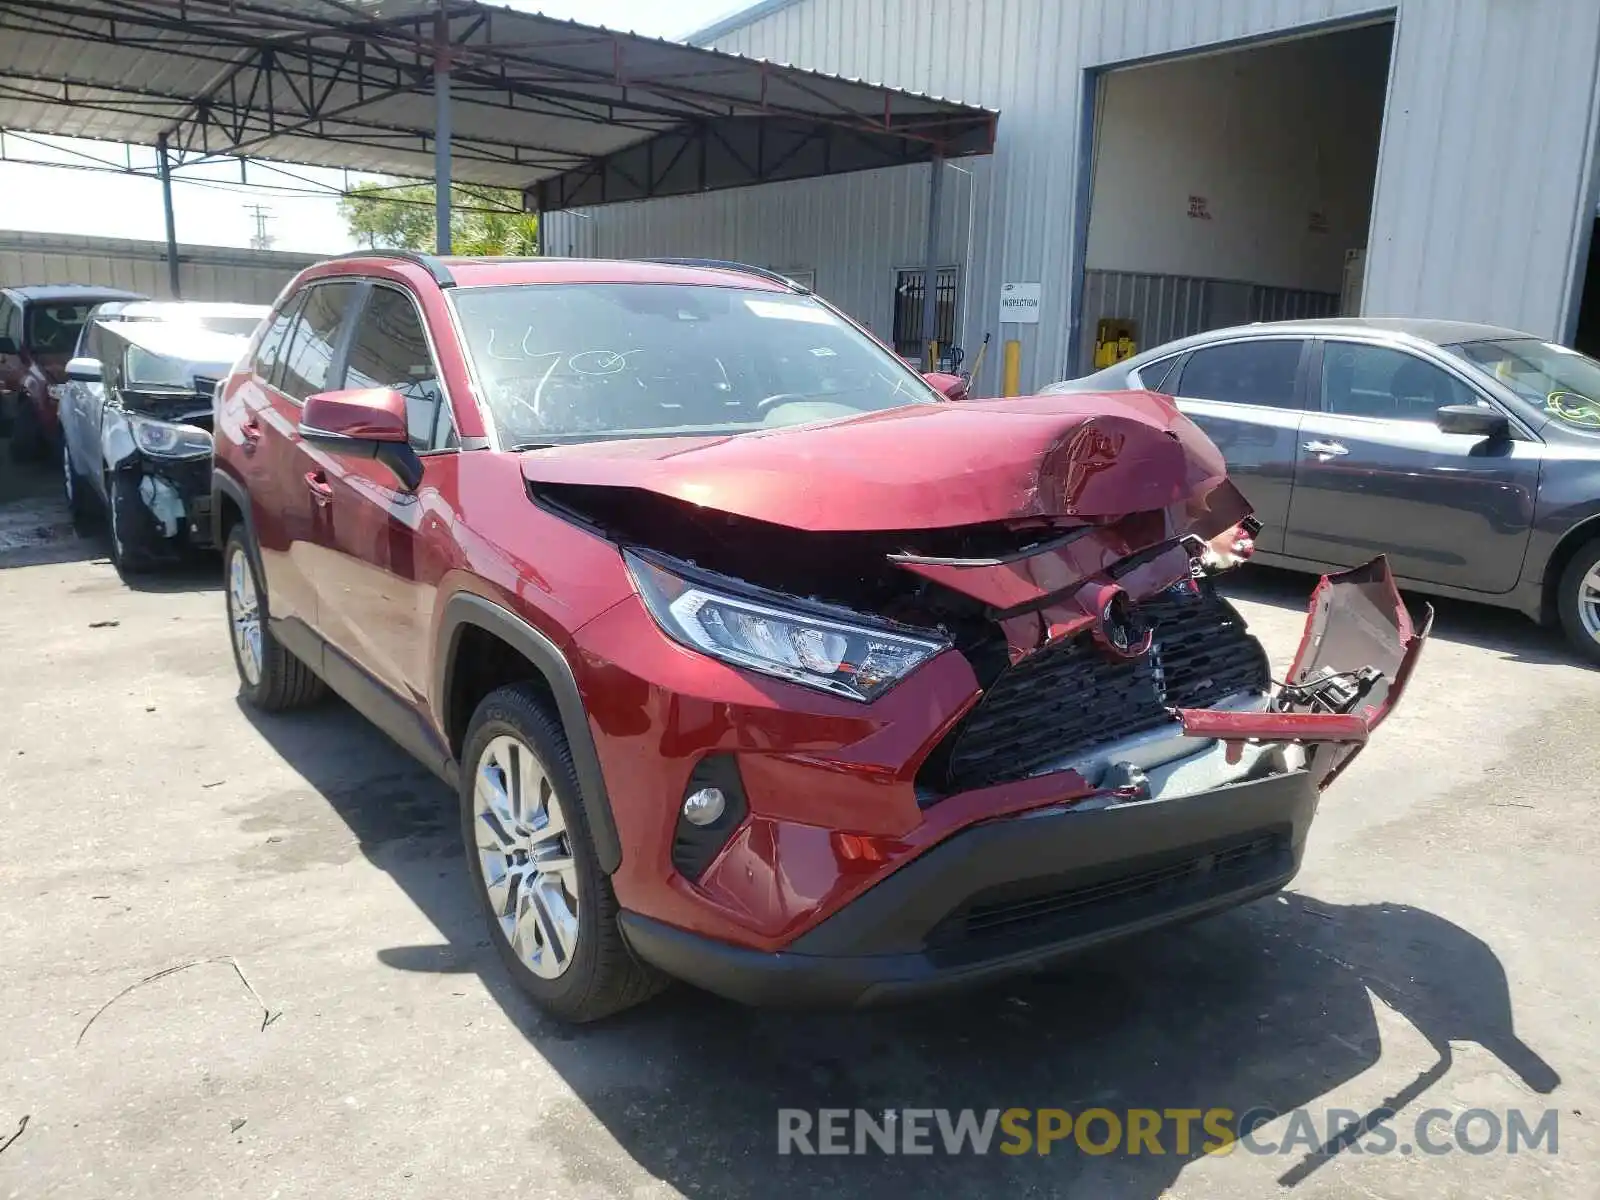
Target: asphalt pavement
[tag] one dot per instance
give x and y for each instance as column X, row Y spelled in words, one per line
column 333, row 1023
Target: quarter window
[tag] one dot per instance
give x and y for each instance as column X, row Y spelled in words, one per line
column 1155, row 376
column 1261, row 373
column 1375, row 381
column 308, row 365
column 390, row 350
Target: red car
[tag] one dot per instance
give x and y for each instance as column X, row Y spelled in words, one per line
column 754, row 659
column 39, row 327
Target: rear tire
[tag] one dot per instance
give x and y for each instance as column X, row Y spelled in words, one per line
column 73, row 485
column 1578, row 600
column 270, row 678
column 551, row 912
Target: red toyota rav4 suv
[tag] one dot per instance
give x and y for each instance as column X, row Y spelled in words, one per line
column 755, row 660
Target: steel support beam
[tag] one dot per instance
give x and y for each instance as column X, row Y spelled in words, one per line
column 164, row 163
column 441, row 133
column 930, row 262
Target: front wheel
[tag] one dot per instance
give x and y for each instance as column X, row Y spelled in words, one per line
column 551, row 912
column 1579, row 600
column 270, row 678
column 129, row 523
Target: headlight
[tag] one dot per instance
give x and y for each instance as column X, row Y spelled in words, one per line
column 167, row 439
column 861, row 661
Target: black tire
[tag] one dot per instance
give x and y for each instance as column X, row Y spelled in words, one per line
column 283, row 682
column 1569, row 600
column 603, row 976
column 76, row 493
column 27, row 437
column 130, row 525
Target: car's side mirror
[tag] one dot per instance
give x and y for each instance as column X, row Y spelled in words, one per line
column 951, row 387
column 364, row 423
column 1473, row 420
column 85, row 370
column 8, row 345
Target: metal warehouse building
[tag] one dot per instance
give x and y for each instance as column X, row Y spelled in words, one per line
column 1165, row 166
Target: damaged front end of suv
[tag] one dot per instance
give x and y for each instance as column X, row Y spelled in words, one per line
column 150, row 426
column 948, row 691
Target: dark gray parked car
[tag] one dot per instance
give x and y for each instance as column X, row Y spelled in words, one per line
column 1469, row 455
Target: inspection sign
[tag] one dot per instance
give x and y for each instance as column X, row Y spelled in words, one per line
column 1019, row 303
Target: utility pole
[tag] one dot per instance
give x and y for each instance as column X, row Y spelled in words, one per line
column 261, row 239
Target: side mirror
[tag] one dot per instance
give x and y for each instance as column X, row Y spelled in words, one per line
column 951, row 387
column 1473, row 420
column 85, row 370
column 364, row 423
column 8, row 345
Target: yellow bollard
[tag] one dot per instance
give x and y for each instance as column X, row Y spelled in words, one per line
column 1013, row 370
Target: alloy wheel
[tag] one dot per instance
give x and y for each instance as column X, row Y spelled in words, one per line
column 66, row 471
column 525, row 853
column 244, row 616
column 1589, row 602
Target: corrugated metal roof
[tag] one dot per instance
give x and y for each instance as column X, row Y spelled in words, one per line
column 350, row 83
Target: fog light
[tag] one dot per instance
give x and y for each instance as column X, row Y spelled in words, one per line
column 705, row 806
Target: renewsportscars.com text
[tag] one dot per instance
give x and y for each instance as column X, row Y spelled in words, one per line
column 1154, row 1131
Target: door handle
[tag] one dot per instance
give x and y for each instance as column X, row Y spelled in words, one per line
column 251, row 432
column 321, row 489
column 1325, row 450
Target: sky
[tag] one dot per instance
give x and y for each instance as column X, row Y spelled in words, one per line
column 210, row 205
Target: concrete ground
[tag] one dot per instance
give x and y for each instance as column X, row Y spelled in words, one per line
column 1438, row 951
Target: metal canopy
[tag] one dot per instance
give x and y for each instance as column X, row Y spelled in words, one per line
column 568, row 113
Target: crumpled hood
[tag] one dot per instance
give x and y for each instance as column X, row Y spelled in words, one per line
column 1090, row 456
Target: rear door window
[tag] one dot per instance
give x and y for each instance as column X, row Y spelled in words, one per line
column 308, row 363
column 1261, row 373
column 269, row 351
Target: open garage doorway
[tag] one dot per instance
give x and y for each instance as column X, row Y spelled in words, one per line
column 1231, row 186
column 1586, row 335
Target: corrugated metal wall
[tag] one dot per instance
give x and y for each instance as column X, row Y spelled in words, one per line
column 806, row 225
column 1485, row 168
column 205, row 272
column 1167, row 307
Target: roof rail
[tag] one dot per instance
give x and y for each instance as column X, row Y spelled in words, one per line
column 719, row 264
column 428, row 262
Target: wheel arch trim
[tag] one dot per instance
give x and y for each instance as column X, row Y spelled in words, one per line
column 467, row 609
column 1571, row 541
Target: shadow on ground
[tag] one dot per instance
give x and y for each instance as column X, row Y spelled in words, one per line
column 1269, row 1006
column 1499, row 630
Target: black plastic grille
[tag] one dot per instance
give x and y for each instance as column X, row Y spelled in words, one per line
column 990, row 923
column 1071, row 697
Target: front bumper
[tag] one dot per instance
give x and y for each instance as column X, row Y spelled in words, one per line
column 174, row 502
column 1011, row 895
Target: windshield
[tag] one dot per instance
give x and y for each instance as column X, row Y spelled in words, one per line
column 1555, row 379
column 579, row 362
